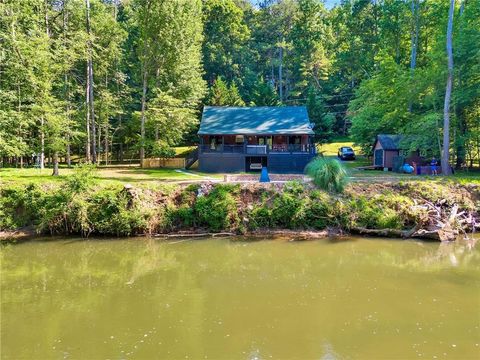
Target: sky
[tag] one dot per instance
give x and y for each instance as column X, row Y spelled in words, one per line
column 328, row 3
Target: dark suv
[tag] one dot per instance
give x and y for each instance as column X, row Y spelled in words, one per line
column 346, row 153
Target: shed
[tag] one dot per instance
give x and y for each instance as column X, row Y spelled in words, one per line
column 385, row 149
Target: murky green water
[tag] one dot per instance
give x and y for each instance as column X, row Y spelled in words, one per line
column 225, row 299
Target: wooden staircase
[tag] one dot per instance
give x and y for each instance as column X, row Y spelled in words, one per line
column 191, row 158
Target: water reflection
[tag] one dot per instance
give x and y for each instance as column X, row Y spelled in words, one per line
column 144, row 298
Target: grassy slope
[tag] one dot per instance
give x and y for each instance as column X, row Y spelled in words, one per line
column 136, row 175
column 181, row 151
column 106, row 175
column 330, row 150
column 133, row 174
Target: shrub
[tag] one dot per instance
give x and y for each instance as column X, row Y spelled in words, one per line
column 319, row 213
column 260, row 217
column 218, row 210
column 82, row 178
column 327, row 174
column 183, row 216
column 289, row 206
column 372, row 214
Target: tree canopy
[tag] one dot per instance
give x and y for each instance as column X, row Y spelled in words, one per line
column 117, row 79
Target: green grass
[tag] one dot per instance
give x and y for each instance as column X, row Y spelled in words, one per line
column 182, row 151
column 112, row 174
column 461, row 177
column 331, row 149
column 466, row 177
column 134, row 174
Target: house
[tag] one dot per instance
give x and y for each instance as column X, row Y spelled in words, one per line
column 240, row 139
column 385, row 149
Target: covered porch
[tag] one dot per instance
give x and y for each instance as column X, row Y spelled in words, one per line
column 257, row 144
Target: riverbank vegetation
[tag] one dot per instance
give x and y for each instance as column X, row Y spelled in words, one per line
column 81, row 205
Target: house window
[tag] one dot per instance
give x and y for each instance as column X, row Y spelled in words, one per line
column 215, row 142
column 295, row 140
column 239, row 139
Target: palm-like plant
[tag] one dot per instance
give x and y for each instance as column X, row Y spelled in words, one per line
column 327, row 174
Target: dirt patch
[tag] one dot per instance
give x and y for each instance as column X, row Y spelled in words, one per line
column 256, row 177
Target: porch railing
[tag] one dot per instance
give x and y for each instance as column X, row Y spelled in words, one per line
column 231, row 149
column 259, row 149
column 293, row 148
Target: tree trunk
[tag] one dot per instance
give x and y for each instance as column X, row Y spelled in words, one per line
column 397, row 41
column 142, row 123
column 19, row 111
column 414, row 41
column 42, row 144
column 92, row 114
column 91, row 83
column 55, row 164
column 459, row 113
column 280, row 74
column 106, row 143
column 87, row 103
column 99, row 140
column 68, row 158
column 119, row 125
column 448, row 94
column 42, row 120
column 415, row 7
column 67, row 90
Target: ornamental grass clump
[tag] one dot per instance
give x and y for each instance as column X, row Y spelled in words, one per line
column 327, row 174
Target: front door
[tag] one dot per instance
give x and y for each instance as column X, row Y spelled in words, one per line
column 378, row 157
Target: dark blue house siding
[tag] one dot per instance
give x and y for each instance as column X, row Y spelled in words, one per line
column 231, row 163
column 221, row 162
column 288, row 163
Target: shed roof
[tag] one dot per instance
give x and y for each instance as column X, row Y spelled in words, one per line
column 267, row 120
column 389, row 142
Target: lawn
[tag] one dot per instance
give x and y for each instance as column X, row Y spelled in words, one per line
column 331, row 149
column 182, row 151
column 112, row 174
column 462, row 177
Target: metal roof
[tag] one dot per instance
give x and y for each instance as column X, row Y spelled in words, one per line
column 389, row 142
column 265, row 120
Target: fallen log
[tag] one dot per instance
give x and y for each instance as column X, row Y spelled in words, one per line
column 441, row 234
column 391, row 233
column 190, row 235
column 438, row 234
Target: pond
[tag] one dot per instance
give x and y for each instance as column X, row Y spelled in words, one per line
column 235, row 299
